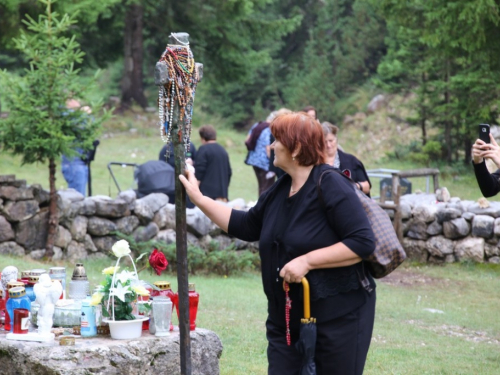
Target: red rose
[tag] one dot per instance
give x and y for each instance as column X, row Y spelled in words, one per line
column 158, row 261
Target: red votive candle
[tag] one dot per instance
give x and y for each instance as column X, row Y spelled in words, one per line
column 21, row 320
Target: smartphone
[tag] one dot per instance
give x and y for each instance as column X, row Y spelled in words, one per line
column 484, row 133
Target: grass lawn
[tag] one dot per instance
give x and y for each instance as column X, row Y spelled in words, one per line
column 429, row 319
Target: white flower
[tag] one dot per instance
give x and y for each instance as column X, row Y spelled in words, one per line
column 125, row 276
column 121, row 248
column 120, row 292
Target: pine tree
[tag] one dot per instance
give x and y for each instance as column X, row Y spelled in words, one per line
column 39, row 127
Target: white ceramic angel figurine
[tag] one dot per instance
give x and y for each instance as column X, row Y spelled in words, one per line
column 9, row 273
column 47, row 294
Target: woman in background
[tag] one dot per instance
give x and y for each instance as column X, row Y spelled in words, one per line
column 257, row 143
column 347, row 163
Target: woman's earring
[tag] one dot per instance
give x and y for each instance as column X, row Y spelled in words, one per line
column 293, row 158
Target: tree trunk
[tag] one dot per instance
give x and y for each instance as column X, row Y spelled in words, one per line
column 447, row 122
column 132, row 85
column 49, row 246
column 468, row 150
column 423, row 114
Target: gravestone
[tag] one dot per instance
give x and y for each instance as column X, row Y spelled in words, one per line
column 387, row 182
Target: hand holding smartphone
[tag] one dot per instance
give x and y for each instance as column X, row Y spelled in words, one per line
column 484, row 133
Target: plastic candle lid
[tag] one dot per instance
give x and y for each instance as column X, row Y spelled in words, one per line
column 17, row 292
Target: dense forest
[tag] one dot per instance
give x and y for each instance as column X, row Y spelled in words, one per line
column 260, row 55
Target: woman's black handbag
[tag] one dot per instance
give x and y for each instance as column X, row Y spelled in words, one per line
column 389, row 253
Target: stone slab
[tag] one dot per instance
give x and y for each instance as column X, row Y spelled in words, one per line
column 147, row 355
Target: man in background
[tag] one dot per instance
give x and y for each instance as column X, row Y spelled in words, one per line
column 76, row 169
column 213, row 170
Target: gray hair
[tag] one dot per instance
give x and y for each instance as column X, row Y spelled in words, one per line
column 279, row 112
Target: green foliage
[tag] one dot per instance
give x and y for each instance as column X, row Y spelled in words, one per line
column 39, row 127
column 342, row 50
column 402, row 152
column 223, row 262
column 444, row 51
column 427, row 153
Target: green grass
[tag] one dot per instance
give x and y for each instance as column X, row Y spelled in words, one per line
column 407, row 339
column 128, row 148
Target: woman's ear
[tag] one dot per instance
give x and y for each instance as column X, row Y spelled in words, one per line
column 296, row 152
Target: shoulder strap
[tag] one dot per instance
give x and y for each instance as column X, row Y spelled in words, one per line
column 334, row 170
column 365, row 283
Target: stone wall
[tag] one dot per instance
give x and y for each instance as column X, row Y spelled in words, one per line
column 86, row 224
column 450, row 231
column 436, row 228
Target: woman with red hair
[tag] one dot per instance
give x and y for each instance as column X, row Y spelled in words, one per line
column 300, row 235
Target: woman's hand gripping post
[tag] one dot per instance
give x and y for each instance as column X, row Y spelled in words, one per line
column 218, row 212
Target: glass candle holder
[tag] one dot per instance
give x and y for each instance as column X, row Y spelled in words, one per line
column 59, row 273
column 78, row 289
column 162, row 314
column 21, row 321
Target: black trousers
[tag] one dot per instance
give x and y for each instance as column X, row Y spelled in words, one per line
column 341, row 347
column 264, row 183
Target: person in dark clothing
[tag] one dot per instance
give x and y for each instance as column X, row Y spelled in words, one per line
column 300, row 237
column 348, row 164
column 257, row 142
column 190, row 155
column 489, row 183
column 213, row 169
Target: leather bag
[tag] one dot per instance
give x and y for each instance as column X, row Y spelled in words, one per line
column 388, row 253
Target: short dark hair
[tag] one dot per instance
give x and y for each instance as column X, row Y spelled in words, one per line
column 310, row 108
column 208, row 133
column 297, row 128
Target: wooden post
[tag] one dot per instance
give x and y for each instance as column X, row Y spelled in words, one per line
column 395, row 185
column 435, row 179
column 179, row 136
column 181, row 244
column 398, row 217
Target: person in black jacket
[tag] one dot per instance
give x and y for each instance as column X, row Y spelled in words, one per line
column 213, row 169
column 300, row 237
column 348, row 164
column 489, row 183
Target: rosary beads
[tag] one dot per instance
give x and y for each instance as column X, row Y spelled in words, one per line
column 176, row 76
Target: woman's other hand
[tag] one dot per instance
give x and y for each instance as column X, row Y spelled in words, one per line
column 295, row 270
column 192, row 186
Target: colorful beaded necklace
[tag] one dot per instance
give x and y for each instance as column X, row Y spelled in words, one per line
column 180, row 87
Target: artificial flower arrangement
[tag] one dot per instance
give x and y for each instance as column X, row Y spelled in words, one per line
column 120, row 290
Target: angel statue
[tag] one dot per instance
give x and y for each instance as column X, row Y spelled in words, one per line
column 47, row 294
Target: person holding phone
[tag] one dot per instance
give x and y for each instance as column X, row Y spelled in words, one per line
column 486, row 147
